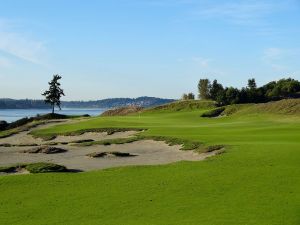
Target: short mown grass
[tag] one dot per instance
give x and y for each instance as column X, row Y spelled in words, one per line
column 255, row 183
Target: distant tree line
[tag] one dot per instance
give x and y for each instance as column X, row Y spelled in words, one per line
column 6, row 103
column 189, row 96
column 275, row 90
column 272, row 91
column 105, row 103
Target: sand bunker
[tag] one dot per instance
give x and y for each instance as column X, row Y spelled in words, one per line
column 147, row 152
column 85, row 158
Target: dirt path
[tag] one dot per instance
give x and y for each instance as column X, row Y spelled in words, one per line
column 147, row 152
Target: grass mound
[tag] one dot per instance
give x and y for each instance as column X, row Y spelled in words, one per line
column 103, row 154
column 45, row 150
column 82, row 141
column 34, row 168
column 96, row 154
column 7, row 169
column 45, row 168
column 123, row 111
column 121, row 154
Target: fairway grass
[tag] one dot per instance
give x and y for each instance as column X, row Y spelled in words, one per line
column 255, row 182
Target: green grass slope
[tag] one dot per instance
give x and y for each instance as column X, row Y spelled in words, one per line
column 256, row 181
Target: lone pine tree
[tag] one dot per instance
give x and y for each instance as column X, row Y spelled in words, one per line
column 53, row 95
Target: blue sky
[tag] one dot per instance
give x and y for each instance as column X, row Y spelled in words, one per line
column 131, row 48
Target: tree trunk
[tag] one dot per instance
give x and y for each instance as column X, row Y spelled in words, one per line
column 53, row 109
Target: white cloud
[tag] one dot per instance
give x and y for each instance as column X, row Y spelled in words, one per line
column 19, row 45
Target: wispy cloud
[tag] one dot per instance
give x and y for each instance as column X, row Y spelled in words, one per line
column 243, row 12
column 19, row 45
column 271, row 54
column 167, row 3
column 197, row 61
column 202, row 62
column 278, row 58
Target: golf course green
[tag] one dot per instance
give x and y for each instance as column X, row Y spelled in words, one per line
column 256, row 181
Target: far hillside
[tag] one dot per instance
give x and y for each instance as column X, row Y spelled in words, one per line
column 184, row 105
column 212, row 109
column 6, row 103
column 282, row 107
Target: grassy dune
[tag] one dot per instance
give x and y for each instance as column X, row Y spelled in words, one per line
column 256, row 181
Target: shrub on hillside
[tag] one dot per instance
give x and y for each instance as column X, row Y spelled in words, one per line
column 214, row 112
column 3, row 125
column 20, row 122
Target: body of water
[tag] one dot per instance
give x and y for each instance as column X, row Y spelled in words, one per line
column 10, row 115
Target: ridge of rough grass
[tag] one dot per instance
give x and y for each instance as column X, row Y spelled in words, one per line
column 115, row 153
column 122, row 111
column 116, row 141
column 186, row 105
column 171, row 141
column 18, row 145
column 34, row 168
column 186, row 145
column 109, row 131
column 26, row 127
column 44, row 150
column 281, row 107
column 26, row 124
column 285, row 107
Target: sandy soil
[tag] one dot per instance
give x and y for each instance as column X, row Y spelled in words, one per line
column 94, row 136
column 147, row 152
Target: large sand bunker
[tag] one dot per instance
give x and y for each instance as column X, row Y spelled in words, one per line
column 145, row 152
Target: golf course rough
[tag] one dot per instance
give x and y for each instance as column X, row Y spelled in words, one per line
column 255, row 182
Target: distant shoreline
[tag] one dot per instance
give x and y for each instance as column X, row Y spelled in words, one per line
column 104, row 103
